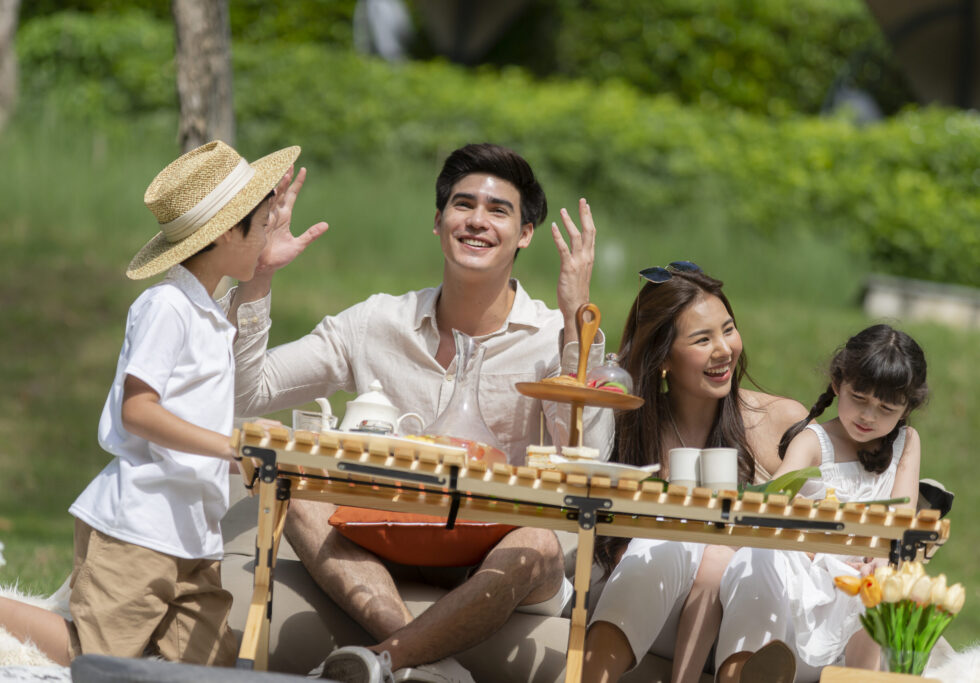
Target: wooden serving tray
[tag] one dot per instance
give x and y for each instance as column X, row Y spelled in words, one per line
column 566, row 393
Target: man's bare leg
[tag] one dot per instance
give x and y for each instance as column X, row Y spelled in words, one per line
column 352, row 577
column 47, row 630
column 525, row 568
column 608, row 654
column 701, row 616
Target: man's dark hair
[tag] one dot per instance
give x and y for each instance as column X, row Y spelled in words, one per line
column 496, row 161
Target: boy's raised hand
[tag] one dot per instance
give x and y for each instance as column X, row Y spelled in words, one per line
column 577, row 257
column 281, row 245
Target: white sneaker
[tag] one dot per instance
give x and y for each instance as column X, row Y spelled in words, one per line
column 353, row 664
column 446, row 670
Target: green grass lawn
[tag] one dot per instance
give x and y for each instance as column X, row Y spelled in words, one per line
column 71, row 216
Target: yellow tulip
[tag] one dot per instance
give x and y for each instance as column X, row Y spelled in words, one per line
column 915, row 569
column 870, row 591
column 891, row 589
column 937, row 595
column 884, row 572
column 849, row 584
column 955, row 597
column 921, row 590
column 908, row 580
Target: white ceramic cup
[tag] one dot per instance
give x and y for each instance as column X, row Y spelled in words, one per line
column 683, row 466
column 719, row 468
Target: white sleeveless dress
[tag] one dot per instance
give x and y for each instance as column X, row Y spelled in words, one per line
column 782, row 594
column 824, row 618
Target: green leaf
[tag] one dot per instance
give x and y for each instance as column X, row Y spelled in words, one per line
column 789, row 483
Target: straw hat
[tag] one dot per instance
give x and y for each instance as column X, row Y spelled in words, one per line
column 202, row 194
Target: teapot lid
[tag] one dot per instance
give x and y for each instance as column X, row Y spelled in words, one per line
column 374, row 396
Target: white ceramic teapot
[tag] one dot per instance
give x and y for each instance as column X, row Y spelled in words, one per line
column 372, row 411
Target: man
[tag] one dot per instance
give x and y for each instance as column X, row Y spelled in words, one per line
column 488, row 203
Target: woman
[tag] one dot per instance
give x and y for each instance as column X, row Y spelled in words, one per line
column 684, row 352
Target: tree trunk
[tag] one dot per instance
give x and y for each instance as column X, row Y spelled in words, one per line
column 204, row 72
column 8, row 58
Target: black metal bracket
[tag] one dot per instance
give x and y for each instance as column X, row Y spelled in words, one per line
column 267, row 472
column 804, row 524
column 255, row 477
column 726, row 511
column 248, row 664
column 386, row 473
column 282, row 488
column 453, row 496
column 574, row 602
column 587, row 509
column 907, row 548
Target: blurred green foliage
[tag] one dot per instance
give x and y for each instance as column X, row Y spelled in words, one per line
column 903, row 191
column 763, row 56
column 293, row 21
column 98, row 65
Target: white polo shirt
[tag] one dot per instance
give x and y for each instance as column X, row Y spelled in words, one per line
column 178, row 341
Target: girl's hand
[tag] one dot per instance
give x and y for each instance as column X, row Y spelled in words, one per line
column 281, row 245
column 871, row 565
column 868, row 565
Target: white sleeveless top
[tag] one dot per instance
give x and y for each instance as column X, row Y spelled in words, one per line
column 850, row 480
column 823, row 617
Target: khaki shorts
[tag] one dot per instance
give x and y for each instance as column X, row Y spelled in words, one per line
column 127, row 601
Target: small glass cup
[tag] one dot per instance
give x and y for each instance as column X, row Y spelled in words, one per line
column 307, row 419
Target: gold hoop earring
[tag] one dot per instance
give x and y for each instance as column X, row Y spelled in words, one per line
column 664, row 387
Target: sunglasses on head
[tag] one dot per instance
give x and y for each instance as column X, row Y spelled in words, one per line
column 658, row 275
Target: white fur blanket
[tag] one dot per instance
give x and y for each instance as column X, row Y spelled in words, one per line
column 22, row 662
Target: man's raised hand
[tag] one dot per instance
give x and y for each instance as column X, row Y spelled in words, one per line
column 577, row 257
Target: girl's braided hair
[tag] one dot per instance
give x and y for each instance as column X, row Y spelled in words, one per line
column 883, row 362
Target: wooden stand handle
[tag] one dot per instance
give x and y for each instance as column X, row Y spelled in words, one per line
column 587, row 318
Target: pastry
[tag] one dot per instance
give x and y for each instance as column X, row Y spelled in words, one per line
column 565, row 380
column 540, row 457
column 580, row 453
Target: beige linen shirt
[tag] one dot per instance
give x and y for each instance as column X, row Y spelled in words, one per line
column 394, row 339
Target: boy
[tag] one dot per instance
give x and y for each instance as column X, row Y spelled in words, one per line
column 147, row 537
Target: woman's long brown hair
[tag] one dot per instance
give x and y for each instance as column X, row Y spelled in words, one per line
column 647, row 338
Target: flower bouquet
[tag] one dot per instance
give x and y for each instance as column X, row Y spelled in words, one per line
column 906, row 612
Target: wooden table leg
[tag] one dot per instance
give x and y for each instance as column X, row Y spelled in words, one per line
column 576, row 633
column 273, row 504
column 575, row 432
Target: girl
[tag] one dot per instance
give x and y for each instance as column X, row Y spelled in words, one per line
column 867, row 452
column 682, row 347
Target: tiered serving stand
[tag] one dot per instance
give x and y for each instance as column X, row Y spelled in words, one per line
column 406, row 475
